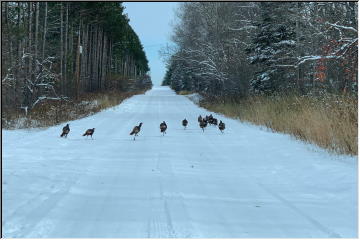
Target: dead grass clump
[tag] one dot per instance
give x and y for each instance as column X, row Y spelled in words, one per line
column 49, row 113
column 329, row 121
column 185, row 92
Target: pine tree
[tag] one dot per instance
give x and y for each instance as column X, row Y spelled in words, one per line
column 55, row 50
column 273, row 48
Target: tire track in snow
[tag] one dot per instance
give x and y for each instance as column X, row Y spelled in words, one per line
column 44, row 202
column 37, row 214
column 160, row 222
column 219, row 153
column 331, row 234
column 308, row 218
column 172, row 202
column 164, row 168
column 212, row 155
column 289, row 205
column 315, row 223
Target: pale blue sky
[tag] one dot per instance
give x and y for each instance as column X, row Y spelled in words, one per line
column 151, row 21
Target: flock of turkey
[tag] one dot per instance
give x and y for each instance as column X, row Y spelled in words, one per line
column 203, row 122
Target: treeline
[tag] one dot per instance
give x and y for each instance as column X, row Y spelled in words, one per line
column 60, row 50
column 236, row 49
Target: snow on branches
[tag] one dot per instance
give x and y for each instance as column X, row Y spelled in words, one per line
column 40, row 84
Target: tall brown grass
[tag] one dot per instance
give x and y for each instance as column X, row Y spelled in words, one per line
column 51, row 113
column 329, row 121
column 185, row 92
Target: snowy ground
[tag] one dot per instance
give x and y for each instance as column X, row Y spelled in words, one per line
column 246, row 182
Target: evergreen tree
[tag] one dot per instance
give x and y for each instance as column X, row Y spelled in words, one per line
column 58, row 50
column 167, row 77
column 273, row 48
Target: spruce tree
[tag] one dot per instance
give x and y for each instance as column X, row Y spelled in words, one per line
column 273, row 48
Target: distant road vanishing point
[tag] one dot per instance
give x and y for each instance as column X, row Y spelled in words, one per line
column 245, row 183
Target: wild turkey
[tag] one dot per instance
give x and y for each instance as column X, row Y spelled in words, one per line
column 221, row 126
column 136, row 130
column 89, row 132
column 199, row 118
column 203, row 124
column 163, row 127
column 215, row 121
column 65, row 131
column 185, row 123
column 210, row 121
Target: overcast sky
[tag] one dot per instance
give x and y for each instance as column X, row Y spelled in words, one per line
column 151, row 21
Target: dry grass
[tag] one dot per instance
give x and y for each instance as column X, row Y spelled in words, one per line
column 329, row 121
column 51, row 113
column 184, row 92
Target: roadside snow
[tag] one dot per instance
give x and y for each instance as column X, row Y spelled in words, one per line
column 245, row 183
column 194, row 97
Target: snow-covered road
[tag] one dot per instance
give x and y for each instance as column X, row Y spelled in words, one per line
column 244, row 183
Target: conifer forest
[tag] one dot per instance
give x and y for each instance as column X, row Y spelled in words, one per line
column 60, row 50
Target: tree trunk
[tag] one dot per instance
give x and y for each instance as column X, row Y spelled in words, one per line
column 45, row 30
column 17, row 61
column 66, row 49
column 97, row 53
column 298, row 47
column 104, row 61
column 29, row 75
column 93, row 60
column 6, row 39
column 77, row 72
column 29, row 40
column 5, row 15
column 62, row 48
column 71, row 45
column 36, row 31
column 84, row 58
